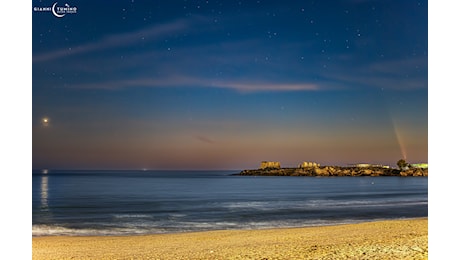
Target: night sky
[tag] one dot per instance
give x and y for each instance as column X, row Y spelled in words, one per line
column 227, row 84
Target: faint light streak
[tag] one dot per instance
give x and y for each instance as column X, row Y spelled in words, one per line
column 399, row 139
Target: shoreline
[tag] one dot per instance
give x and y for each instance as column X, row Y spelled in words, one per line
column 406, row 238
column 93, row 233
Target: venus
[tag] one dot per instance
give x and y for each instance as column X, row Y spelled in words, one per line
column 45, row 121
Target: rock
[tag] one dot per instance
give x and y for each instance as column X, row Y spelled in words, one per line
column 321, row 172
column 336, row 171
column 366, row 172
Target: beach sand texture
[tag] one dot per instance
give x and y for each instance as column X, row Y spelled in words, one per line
column 395, row 239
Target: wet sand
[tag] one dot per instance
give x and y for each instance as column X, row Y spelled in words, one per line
column 396, row 239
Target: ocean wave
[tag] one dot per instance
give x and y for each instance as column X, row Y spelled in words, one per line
column 321, row 203
column 188, row 226
column 52, row 230
column 246, row 204
column 131, row 216
column 368, row 203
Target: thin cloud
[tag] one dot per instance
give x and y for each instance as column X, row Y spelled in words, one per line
column 179, row 81
column 116, row 40
column 403, row 74
column 204, row 139
column 258, row 87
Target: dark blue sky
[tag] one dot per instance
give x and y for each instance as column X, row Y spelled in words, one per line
column 227, row 84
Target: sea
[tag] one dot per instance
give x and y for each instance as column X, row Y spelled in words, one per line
column 109, row 203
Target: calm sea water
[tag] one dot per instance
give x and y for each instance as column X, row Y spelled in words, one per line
column 146, row 202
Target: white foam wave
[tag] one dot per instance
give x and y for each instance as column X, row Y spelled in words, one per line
column 49, row 230
column 185, row 226
column 319, row 204
column 131, row 216
column 251, row 204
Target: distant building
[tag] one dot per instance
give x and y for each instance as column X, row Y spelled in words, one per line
column 367, row 165
column 363, row 165
column 267, row 164
column 420, row 165
column 308, row 164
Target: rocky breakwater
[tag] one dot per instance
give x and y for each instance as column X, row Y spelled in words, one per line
column 336, row 171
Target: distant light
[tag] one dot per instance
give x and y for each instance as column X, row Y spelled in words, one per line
column 45, row 121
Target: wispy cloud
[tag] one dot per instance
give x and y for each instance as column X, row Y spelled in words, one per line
column 402, row 74
column 181, row 81
column 204, row 139
column 259, row 87
column 116, row 40
column 244, row 65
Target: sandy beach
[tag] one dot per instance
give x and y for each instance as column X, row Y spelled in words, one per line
column 397, row 239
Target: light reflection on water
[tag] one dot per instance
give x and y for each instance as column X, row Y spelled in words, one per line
column 44, row 192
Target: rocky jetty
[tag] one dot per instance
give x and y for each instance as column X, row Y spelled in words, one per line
column 336, row 171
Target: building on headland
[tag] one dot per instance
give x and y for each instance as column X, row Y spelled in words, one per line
column 367, row 165
column 309, row 164
column 419, row 165
column 361, row 165
column 267, row 164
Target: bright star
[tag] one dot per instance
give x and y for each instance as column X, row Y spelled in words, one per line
column 45, row 121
